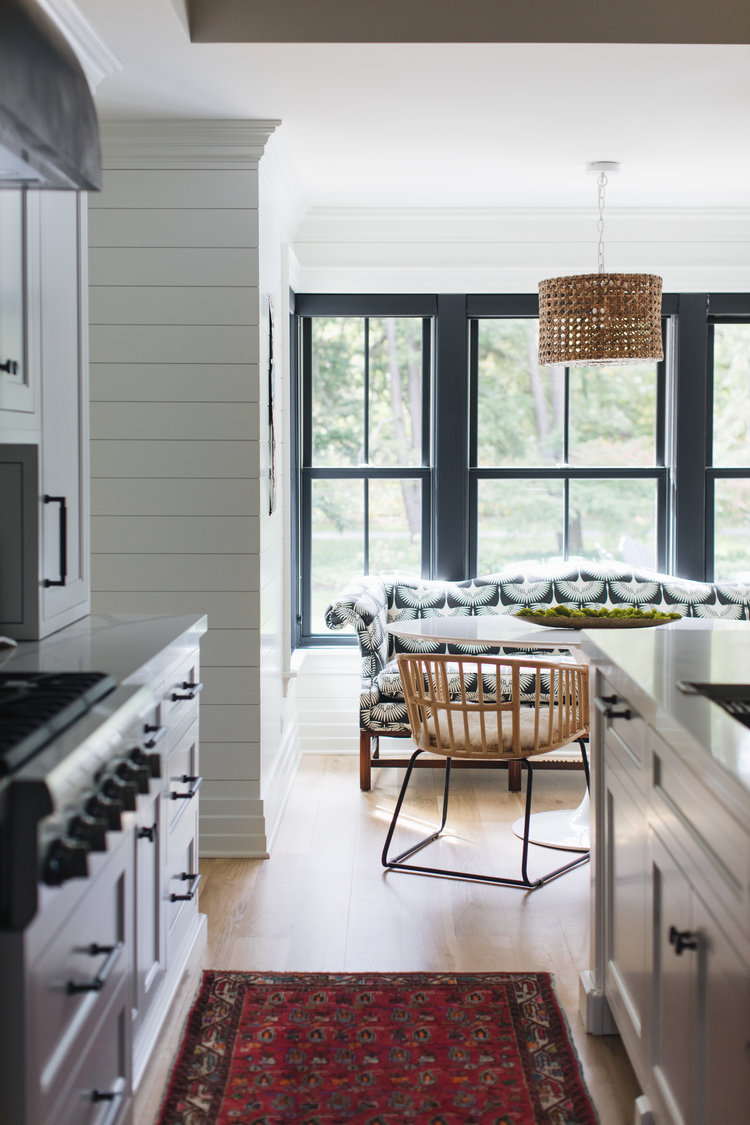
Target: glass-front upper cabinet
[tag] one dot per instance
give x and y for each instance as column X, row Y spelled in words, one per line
column 19, row 249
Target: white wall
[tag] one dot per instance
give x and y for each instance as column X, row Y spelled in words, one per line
column 279, row 736
column 175, row 457
column 495, row 250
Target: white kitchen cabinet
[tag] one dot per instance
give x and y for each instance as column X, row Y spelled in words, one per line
column 44, row 412
column 19, row 311
column 64, row 452
column 167, row 925
column 671, row 896
column 626, row 833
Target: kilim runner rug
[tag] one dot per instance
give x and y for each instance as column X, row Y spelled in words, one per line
column 376, row 1049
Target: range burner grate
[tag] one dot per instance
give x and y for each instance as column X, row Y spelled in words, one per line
column 35, row 707
column 733, row 698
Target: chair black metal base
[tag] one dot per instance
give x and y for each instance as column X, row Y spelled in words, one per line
column 398, row 864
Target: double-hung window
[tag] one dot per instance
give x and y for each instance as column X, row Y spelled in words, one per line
column 364, row 474
column 565, row 461
column 728, row 454
column 430, row 441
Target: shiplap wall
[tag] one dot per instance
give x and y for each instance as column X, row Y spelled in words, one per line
column 174, row 314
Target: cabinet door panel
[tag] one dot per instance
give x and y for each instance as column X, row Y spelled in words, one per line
column 149, row 938
column 674, row 1046
column 16, row 388
column 627, row 978
column 64, row 467
column 726, row 1000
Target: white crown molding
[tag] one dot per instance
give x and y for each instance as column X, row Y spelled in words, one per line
column 179, row 143
column 487, row 224
column 96, row 58
column 510, row 250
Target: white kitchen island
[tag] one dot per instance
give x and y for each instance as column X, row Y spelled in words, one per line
column 670, row 947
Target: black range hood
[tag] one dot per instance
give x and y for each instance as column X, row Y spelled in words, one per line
column 49, row 134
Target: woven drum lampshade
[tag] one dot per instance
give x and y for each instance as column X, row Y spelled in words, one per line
column 599, row 319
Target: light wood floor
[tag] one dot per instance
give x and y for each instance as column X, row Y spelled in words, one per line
column 323, row 903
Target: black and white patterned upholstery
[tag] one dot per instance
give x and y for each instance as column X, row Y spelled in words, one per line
column 371, row 603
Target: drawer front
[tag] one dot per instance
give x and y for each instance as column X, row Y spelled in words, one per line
column 625, row 732
column 100, row 1091
column 74, row 979
column 179, row 706
column 181, row 883
column 714, row 845
column 181, row 777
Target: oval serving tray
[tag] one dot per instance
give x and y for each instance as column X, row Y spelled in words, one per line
column 595, row 622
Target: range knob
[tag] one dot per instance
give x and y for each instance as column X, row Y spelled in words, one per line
column 151, row 761
column 65, row 859
column 121, row 790
column 109, row 808
column 135, row 774
column 92, row 830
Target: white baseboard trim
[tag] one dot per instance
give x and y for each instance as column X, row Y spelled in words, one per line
column 275, row 789
column 593, row 1006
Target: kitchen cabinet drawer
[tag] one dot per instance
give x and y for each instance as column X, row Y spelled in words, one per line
column 83, row 965
column 618, row 717
column 180, row 697
column 100, row 1092
column 714, row 846
column 181, row 885
column 181, row 777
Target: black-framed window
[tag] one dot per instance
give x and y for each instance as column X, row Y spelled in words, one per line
column 365, row 441
column 647, row 463
column 728, row 449
column 564, row 461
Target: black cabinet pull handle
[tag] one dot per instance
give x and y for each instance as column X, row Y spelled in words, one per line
column 10, row 365
column 155, row 734
column 114, row 1097
column 147, row 833
column 195, row 784
column 187, row 877
column 97, row 984
column 189, row 691
column 61, row 581
column 607, row 703
column 682, row 939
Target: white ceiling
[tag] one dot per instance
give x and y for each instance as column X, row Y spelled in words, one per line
column 492, row 125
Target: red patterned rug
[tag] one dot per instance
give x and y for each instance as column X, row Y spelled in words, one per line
column 376, row 1049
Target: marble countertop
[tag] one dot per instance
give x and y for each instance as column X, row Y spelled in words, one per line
column 124, row 645
column 647, row 665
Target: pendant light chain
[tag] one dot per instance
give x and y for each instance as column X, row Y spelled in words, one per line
column 600, row 319
column 601, row 184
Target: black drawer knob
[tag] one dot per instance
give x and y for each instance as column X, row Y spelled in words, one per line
column 682, row 939
column 187, row 691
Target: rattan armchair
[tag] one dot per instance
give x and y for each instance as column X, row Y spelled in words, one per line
column 478, row 708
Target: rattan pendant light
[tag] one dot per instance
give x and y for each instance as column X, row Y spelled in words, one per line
column 599, row 319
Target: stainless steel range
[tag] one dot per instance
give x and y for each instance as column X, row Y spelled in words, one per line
column 75, row 753
column 99, row 803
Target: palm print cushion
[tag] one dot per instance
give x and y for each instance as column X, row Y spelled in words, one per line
column 369, row 604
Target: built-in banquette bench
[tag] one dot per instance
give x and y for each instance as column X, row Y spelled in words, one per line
column 371, row 603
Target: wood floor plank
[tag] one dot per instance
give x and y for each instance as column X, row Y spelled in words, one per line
column 322, row 902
